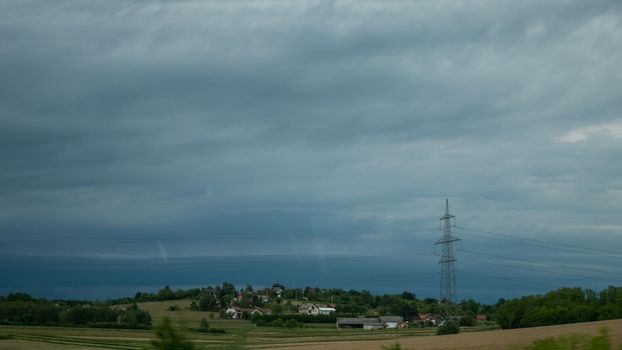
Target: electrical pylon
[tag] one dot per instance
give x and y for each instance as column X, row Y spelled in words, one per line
column 448, row 273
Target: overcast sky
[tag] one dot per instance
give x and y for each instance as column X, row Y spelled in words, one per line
column 315, row 129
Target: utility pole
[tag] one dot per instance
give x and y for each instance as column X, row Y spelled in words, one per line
column 448, row 274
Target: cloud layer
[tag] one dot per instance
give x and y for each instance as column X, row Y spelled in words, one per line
column 163, row 119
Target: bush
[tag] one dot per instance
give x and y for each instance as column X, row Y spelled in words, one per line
column 215, row 331
column 292, row 324
column 116, row 325
column 279, row 322
column 170, row 338
column 450, row 327
column 204, row 324
column 204, row 328
column 265, row 319
column 467, row 322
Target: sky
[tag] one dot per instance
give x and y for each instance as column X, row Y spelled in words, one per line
column 310, row 143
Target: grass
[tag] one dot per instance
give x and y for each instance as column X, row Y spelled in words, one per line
column 240, row 336
column 244, row 335
column 109, row 344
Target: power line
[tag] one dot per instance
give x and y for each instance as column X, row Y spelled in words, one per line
column 541, row 241
column 531, row 268
column 232, row 237
column 542, row 263
column 538, row 284
column 313, row 260
column 540, row 246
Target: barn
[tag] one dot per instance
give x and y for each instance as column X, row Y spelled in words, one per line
column 365, row 323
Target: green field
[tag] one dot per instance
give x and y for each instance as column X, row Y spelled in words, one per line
column 243, row 334
column 240, row 333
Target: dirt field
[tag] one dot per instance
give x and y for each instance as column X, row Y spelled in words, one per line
column 493, row 340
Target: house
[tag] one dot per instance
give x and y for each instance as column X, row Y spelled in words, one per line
column 236, row 312
column 481, row 317
column 308, row 309
column 258, row 311
column 431, row 318
column 364, row 323
column 393, row 322
column 278, row 291
column 326, row 310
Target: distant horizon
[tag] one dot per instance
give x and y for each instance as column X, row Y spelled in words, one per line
column 423, row 284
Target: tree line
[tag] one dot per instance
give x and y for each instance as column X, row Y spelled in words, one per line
column 565, row 305
column 21, row 309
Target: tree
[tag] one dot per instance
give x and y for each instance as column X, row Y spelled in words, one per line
column 450, row 327
column 367, row 298
column 408, row 310
column 208, row 301
column 277, row 309
column 204, row 327
column 18, row 297
column 166, row 294
column 468, row 319
column 170, row 338
column 226, row 293
column 470, row 305
column 130, row 319
column 408, row 296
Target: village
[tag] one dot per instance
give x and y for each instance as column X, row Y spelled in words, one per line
column 274, row 306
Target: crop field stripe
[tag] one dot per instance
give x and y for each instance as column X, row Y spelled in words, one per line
column 70, row 341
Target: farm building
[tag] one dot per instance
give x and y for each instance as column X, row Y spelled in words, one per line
column 365, row 323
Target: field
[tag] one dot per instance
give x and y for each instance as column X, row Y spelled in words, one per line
column 243, row 335
column 493, row 340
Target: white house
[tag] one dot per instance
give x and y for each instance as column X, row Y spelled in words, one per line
column 308, row 309
column 326, row 310
column 236, row 312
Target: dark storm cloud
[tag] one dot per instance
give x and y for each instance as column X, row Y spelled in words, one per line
column 141, row 119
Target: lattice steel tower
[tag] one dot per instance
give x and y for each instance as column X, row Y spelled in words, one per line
column 448, row 274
